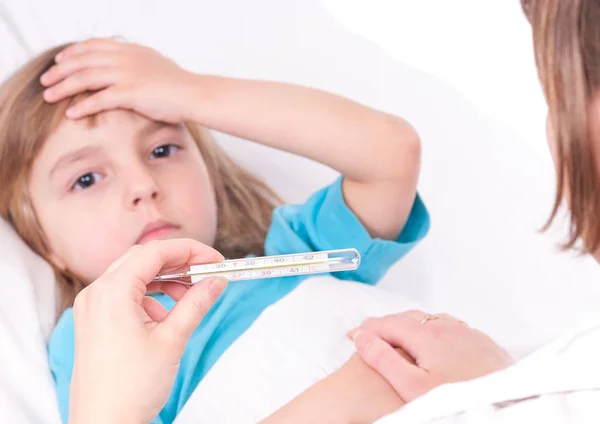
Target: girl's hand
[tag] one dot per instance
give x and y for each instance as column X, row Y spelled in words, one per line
column 126, row 76
column 442, row 348
column 127, row 346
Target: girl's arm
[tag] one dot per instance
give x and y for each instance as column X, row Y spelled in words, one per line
column 378, row 154
column 353, row 394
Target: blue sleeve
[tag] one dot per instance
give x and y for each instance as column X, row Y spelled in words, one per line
column 61, row 356
column 325, row 222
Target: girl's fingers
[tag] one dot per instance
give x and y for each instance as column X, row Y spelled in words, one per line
column 108, row 99
column 92, row 45
column 85, row 80
column 74, row 64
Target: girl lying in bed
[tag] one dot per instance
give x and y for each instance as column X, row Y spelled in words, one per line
column 105, row 146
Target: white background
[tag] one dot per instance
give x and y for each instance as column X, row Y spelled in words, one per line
column 483, row 48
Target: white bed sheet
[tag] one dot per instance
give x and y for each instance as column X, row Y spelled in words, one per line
column 488, row 191
column 294, row 344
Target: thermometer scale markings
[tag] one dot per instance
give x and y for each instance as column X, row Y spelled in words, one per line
column 270, row 266
column 261, row 264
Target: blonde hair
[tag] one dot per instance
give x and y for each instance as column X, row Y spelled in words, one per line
column 566, row 41
column 245, row 203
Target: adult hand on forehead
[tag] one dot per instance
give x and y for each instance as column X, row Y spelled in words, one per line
column 127, row 346
column 125, row 76
column 439, row 349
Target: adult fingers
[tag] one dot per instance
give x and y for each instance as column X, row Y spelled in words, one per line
column 154, row 309
column 402, row 330
column 189, row 311
column 166, row 255
column 175, row 291
column 172, row 289
column 406, row 378
column 118, row 262
column 452, row 319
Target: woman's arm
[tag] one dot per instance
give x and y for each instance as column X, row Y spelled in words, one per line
column 378, row 154
column 353, row 394
column 127, row 346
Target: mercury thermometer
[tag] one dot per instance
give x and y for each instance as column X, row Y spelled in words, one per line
column 253, row 268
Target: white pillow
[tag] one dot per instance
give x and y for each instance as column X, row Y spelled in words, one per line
column 27, row 312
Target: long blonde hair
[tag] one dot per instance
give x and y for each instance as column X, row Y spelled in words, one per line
column 566, row 41
column 244, row 202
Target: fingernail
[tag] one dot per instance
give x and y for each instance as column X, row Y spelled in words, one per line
column 351, row 333
column 362, row 340
column 71, row 112
column 216, row 287
column 43, row 78
column 59, row 57
column 48, row 94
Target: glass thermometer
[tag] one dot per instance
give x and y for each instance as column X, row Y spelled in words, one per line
column 253, row 268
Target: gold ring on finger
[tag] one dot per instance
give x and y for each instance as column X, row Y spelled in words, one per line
column 428, row 318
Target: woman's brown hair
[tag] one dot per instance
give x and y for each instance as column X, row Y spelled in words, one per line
column 244, row 202
column 566, row 38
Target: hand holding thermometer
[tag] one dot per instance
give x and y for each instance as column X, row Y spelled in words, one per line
column 253, row 268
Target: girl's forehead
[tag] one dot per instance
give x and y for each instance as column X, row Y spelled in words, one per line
column 115, row 126
column 105, row 121
column 113, row 129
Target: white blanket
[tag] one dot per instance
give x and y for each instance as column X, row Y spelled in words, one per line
column 559, row 384
column 292, row 345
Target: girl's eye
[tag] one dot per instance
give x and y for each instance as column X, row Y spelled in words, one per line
column 164, row 151
column 87, row 180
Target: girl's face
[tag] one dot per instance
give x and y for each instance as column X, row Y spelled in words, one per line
column 100, row 189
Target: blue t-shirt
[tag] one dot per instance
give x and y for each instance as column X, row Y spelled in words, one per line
column 324, row 222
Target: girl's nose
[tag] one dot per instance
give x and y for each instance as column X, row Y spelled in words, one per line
column 142, row 188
